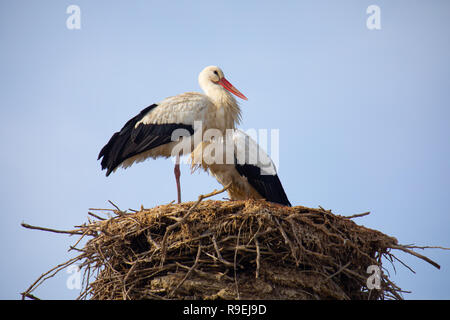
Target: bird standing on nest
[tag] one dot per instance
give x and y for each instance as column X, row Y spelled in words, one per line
column 238, row 161
column 150, row 134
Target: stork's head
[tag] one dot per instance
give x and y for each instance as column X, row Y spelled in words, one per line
column 211, row 79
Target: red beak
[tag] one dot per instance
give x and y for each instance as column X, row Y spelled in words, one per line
column 227, row 85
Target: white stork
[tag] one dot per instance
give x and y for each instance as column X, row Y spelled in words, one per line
column 238, row 160
column 149, row 134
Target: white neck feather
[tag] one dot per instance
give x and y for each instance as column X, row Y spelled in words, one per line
column 222, row 99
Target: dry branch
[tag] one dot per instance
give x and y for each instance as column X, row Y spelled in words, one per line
column 229, row 250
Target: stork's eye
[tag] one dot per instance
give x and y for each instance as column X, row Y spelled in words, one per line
column 215, row 72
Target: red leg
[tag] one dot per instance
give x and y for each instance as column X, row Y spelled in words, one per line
column 177, row 172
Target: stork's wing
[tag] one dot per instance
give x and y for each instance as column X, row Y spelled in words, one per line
column 136, row 137
column 254, row 163
column 268, row 186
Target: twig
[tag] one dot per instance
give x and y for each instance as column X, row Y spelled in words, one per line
column 357, row 215
column 425, row 247
column 416, row 255
column 82, row 236
column 29, row 295
column 258, row 256
column 234, row 261
column 44, row 277
column 189, row 271
column 337, row 272
column 153, row 242
column 175, row 225
column 25, row 225
column 124, row 291
column 76, row 249
column 287, row 241
column 96, row 216
column 219, row 256
column 326, row 211
column 404, row 264
column 120, row 212
column 394, row 292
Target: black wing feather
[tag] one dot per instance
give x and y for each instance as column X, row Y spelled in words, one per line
column 268, row 186
column 131, row 141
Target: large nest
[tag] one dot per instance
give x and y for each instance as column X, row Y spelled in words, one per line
column 230, row 250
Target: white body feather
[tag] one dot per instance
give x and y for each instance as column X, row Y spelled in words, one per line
column 218, row 158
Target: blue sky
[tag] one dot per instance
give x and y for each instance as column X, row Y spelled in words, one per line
column 363, row 115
